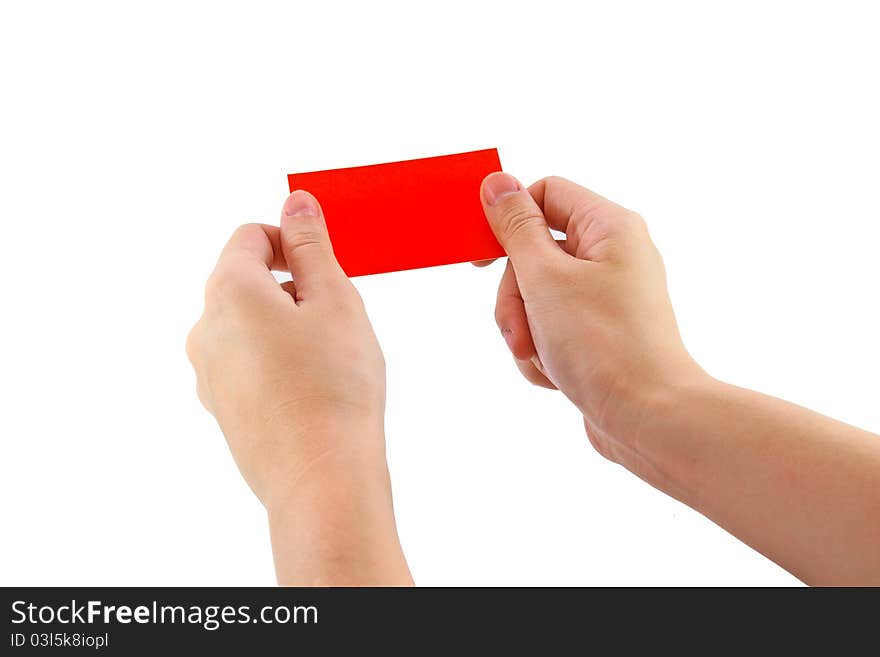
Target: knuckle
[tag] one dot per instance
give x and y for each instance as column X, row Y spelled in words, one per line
column 561, row 187
column 247, row 229
column 223, row 284
column 218, row 285
column 305, row 239
column 517, row 219
column 554, row 181
column 636, row 221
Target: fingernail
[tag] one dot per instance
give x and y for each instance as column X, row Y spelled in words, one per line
column 498, row 185
column 300, row 204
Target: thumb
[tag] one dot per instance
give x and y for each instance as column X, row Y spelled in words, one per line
column 517, row 221
column 306, row 244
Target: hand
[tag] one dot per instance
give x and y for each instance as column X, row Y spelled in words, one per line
column 590, row 315
column 296, row 379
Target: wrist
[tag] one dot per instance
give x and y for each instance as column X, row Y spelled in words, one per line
column 334, row 525
column 646, row 427
column 618, row 406
column 677, row 436
column 302, row 451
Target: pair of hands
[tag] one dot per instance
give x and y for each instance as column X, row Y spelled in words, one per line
column 296, row 379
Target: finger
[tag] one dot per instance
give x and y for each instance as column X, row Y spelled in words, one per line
column 533, row 375
column 517, row 221
column 306, row 245
column 245, row 263
column 560, row 199
column 588, row 219
column 510, row 315
column 274, row 235
column 486, row 263
column 254, row 241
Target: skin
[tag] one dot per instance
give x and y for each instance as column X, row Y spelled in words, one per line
column 296, row 380
column 591, row 316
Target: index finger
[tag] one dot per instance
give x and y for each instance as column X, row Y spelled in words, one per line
column 259, row 241
column 560, row 198
column 245, row 264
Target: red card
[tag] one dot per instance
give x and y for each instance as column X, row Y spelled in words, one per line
column 405, row 215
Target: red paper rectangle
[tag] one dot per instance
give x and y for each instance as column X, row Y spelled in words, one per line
column 405, row 215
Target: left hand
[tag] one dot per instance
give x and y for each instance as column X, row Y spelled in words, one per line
column 296, row 379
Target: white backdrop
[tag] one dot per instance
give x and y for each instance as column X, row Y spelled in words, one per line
column 133, row 141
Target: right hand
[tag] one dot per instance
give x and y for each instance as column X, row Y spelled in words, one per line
column 590, row 315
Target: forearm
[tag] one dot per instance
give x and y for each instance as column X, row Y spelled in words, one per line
column 799, row 487
column 336, row 526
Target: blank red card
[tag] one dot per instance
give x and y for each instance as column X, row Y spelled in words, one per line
column 405, row 215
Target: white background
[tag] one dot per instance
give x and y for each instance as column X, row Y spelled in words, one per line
column 133, row 142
